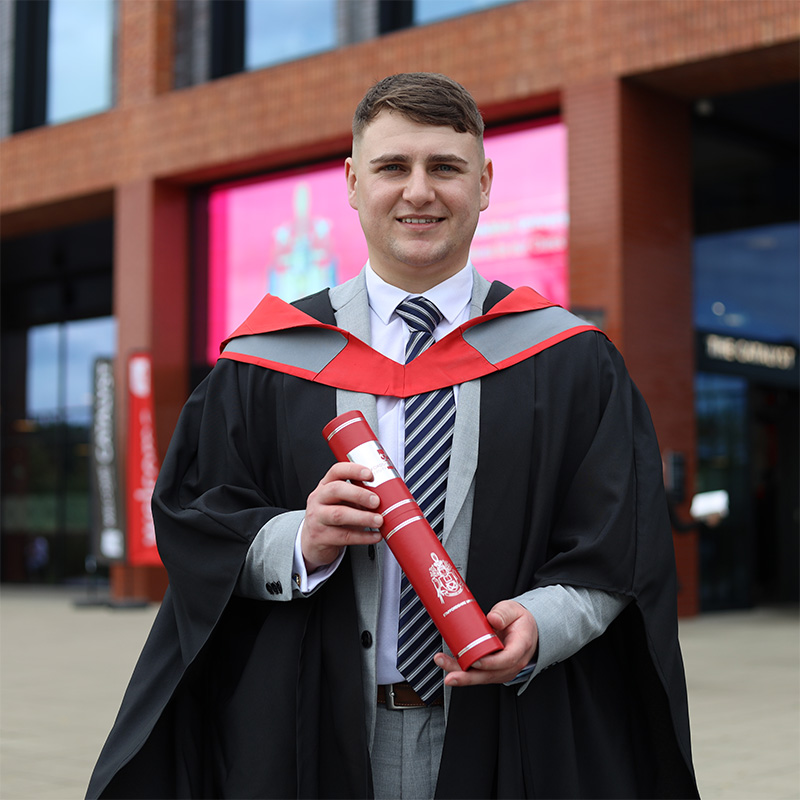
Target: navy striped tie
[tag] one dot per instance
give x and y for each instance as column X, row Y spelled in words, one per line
column 429, row 437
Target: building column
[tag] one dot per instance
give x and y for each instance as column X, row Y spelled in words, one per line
column 146, row 52
column 150, row 260
column 151, row 305
column 631, row 257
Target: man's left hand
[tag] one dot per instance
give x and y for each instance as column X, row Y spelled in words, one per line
column 516, row 628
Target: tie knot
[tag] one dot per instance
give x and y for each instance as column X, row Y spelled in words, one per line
column 420, row 314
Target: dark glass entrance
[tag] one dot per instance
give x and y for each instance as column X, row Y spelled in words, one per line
column 56, row 319
column 747, row 320
column 747, row 445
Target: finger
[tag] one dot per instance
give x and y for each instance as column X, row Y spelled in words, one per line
column 495, row 662
column 455, row 676
column 342, row 537
column 472, row 677
column 507, row 660
column 322, row 545
column 493, row 668
column 504, row 614
column 336, row 492
column 342, row 516
column 347, row 471
column 446, row 662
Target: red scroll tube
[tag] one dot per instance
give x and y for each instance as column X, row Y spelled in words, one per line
column 415, row 546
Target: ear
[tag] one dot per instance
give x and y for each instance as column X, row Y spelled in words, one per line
column 350, row 177
column 486, row 183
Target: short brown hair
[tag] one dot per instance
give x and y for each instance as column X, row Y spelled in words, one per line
column 424, row 97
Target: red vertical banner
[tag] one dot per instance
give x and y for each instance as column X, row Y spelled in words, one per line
column 142, row 462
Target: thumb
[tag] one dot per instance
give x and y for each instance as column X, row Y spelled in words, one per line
column 503, row 614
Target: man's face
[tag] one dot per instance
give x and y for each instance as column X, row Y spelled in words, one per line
column 418, row 190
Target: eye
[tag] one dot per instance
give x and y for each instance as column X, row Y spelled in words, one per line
column 446, row 168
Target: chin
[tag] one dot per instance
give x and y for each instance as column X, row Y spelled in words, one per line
column 418, row 259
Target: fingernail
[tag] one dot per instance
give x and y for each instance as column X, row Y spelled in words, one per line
column 374, row 500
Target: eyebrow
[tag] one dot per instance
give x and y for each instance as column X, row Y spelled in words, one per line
column 436, row 158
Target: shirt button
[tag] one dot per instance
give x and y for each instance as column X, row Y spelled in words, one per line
column 366, row 639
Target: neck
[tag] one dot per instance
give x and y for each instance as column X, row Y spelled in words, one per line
column 415, row 283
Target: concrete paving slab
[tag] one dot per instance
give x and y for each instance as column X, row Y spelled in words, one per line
column 743, row 677
column 63, row 670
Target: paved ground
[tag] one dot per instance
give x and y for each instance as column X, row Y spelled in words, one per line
column 63, row 670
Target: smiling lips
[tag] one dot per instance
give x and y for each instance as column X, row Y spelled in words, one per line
column 419, row 220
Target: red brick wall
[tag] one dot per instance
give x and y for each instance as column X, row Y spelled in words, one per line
column 591, row 113
column 655, row 179
column 508, row 56
column 630, row 253
column 628, row 158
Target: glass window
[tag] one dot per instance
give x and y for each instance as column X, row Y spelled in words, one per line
column 432, row 10
column 79, row 58
column 45, row 510
column 747, row 282
column 43, row 372
column 722, row 463
column 281, row 30
column 60, row 367
column 86, row 341
column 747, row 305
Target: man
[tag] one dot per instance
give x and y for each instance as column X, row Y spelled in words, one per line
column 275, row 668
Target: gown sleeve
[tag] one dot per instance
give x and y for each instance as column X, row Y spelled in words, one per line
column 227, row 473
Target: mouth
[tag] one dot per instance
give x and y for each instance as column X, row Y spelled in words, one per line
column 419, row 220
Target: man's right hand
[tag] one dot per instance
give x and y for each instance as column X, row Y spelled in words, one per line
column 339, row 513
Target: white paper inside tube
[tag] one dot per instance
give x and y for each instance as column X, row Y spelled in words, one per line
column 707, row 504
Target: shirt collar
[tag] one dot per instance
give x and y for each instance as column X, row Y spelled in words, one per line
column 450, row 296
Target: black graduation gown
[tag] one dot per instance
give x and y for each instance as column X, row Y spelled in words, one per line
column 242, row 698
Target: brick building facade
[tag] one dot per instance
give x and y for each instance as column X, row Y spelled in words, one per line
column 623, row 74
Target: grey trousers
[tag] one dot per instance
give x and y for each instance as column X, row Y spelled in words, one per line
column 406, row 753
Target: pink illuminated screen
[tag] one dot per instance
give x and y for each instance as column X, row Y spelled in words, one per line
column 294, row 233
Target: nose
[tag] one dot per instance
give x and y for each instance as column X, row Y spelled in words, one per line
column 418, row 189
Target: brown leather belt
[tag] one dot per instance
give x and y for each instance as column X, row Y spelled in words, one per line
column 399, row 696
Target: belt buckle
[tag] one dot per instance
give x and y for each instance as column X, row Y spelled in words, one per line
column 390, row 699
